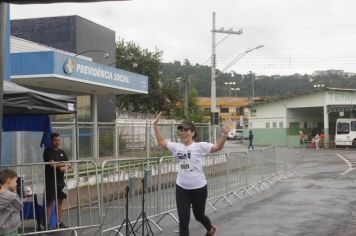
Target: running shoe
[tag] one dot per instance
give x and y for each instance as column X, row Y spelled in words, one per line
column 62, row 226
column 212, row 231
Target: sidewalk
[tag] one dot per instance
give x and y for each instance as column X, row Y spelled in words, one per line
column 318, row 201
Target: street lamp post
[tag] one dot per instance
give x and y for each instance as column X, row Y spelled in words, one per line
column 229, row 86
column 318, row 85
column 213, row 85
column 235, row 89
column 105, row 53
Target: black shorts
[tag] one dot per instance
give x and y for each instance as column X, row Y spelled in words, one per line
column 51, row 192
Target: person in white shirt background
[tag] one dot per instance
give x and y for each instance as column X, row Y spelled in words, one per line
column 191, row 184
column 317, row 141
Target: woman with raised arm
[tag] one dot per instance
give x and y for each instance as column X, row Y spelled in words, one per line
column 191, row 184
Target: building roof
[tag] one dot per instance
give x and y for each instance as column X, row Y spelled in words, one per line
column 223, row 101
column 316, row 90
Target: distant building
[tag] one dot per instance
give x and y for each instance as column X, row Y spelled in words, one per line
column 278, row 121
column 328, row 72
column 235, row 108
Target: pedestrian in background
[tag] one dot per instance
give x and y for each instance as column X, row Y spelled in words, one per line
column 10, row 204
column 191, row 184
column 317, row 141
column 250, row 141
column 301, row 138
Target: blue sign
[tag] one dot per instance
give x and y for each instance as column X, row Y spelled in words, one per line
column 76, row 69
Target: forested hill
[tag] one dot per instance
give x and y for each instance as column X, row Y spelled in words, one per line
column 263, row 85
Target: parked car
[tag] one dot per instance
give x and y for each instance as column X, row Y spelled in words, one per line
column 235, row 134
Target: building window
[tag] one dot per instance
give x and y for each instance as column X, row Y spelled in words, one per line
column 224, row 110
column 274, row 124
column 239, row 111
column 305, row 125
column 83, row 109
column 267, row 125
column 280, row 124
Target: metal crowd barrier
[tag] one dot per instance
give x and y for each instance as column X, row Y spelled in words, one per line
column 81, row 209
column 136, row 176
column 167, row 189
column 97, row 200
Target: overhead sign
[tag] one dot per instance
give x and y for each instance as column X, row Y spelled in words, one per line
column 71, row 66
column 55, row 64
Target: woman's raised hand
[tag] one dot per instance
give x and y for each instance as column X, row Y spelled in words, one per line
column 155, row 122
column 226, row 126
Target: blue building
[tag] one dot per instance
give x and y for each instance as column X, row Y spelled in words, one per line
column 72, row 55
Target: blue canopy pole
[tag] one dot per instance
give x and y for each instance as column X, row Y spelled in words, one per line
column 3, row 17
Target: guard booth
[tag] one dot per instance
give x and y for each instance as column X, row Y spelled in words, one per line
column 278, row 121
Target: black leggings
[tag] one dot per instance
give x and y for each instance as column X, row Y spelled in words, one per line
column 196, row 198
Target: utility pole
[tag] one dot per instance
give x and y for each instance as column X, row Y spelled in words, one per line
column 186, row 84
column 214, row 114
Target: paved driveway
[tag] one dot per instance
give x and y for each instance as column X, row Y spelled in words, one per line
column 320, row 200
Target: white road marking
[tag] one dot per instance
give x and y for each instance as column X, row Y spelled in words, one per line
column 348, row 163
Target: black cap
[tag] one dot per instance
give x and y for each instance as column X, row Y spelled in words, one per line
column 186, row 125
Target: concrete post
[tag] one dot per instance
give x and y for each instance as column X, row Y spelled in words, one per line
column 94, row 120
column 326, row 127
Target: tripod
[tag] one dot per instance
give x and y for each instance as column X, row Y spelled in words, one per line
column 145, row 221
column 126, row 220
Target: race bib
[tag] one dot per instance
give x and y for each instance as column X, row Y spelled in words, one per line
column 184, row 163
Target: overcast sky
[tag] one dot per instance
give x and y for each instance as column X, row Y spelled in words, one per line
column 299, row 36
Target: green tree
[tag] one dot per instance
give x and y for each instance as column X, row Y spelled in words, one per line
column 194, row 113
column 162, row 95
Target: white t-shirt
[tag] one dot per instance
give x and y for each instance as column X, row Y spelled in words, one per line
column 190, row 163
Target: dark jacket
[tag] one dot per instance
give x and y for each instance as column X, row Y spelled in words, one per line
column 250, row 137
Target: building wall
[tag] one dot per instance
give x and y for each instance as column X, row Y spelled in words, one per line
column 229, row 103
column 21, row 45
column 278, row 122
column 315, row 99
column 91, row 36
column 340, row 97
column 57, row 32
column 264, row 136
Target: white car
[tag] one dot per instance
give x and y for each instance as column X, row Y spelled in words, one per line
column 235, row 134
